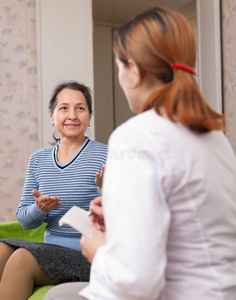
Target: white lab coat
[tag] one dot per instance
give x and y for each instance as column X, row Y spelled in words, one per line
column 169, row 200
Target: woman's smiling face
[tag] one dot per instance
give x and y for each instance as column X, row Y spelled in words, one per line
column 71, row 114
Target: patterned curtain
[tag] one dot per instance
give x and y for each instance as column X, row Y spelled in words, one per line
column 18, row 99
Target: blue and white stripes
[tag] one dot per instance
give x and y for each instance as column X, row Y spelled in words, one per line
column 73, row 182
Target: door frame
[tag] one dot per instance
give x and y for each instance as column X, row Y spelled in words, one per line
column 209, row 52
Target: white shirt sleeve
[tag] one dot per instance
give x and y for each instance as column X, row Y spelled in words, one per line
column 131, row 265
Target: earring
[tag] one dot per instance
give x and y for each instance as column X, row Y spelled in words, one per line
column 135, row 83
column 53, row 124
column 89, row 125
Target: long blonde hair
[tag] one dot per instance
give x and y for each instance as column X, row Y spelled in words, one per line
column 155, row 39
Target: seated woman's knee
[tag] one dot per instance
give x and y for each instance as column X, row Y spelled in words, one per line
column 20, row 258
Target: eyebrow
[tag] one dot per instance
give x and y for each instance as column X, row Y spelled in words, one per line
column 80, row 103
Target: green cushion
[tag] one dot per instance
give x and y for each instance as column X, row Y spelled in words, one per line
column 40, row 292
column 14, row 230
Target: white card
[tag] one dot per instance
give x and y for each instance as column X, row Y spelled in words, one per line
column 77, row 218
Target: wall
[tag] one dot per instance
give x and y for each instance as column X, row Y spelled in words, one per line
column 18, row 99
column 111, row 106
column 103, row 81
column 64, row 51
column 229, row 67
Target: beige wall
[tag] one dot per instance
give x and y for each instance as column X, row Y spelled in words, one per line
column 64, row 51
column 103, row 82
column 111, row 107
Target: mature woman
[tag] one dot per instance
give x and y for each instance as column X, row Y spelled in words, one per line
column 57, row 178
column 170, row 180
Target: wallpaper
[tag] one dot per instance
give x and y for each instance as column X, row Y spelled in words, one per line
column 18, row 99
column 229, row 67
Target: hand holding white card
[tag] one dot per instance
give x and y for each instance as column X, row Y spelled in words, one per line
column 77, row 218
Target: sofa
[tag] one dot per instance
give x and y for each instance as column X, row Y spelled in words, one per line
column 14, row 230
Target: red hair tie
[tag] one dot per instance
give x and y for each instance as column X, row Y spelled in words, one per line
column 184, row 67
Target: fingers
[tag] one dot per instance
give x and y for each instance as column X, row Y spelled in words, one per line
column 96, row 201
column 45, row 202
column 99, row 178
column 97, row 210
column 100, row 225
column 36, row 193
column 96, row 206
column 98, row 181
column 91, row 245
column 55, row 198
column 97, row 217
column 103, row 169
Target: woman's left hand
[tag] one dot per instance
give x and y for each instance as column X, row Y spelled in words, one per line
column 90, row 245
column 99, row 178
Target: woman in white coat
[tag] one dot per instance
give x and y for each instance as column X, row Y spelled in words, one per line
column 169, row 188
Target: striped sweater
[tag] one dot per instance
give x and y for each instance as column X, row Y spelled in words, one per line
column 73, row 182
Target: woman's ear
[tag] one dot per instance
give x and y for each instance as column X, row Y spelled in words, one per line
column 90, row 117
column 135, row 72
column 51, row 117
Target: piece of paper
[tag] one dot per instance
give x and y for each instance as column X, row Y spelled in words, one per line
column 77, row 218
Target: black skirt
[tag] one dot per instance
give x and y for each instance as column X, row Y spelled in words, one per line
column 59, row 263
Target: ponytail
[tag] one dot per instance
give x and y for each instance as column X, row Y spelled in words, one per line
column 182, row 102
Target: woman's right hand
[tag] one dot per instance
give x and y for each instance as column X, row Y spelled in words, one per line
column 97, row 213
column 45, row 203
